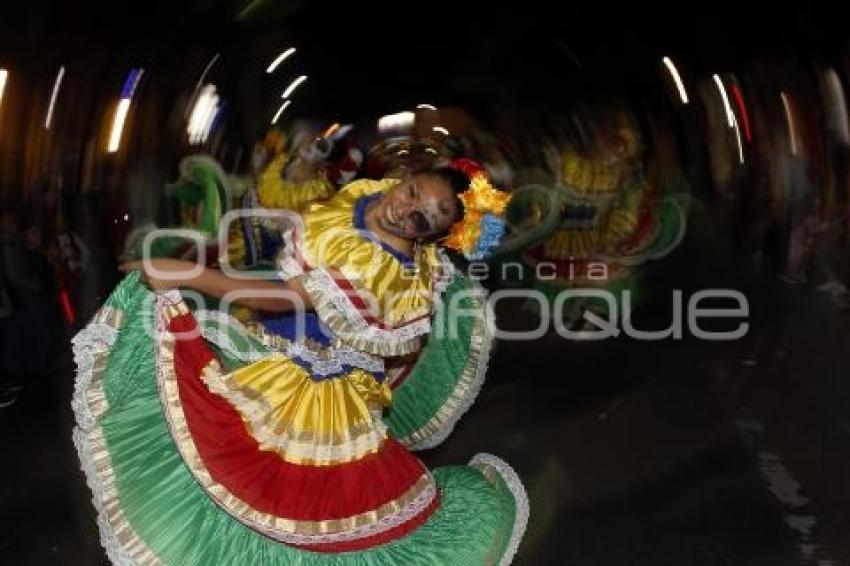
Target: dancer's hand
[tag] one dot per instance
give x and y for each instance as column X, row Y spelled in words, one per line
column 157, row 273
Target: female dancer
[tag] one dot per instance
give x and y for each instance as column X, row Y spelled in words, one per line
column 206, row 441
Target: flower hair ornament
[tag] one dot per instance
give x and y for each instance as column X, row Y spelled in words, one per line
column 481, row 229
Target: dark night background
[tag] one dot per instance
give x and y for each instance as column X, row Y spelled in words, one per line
column 671, row 453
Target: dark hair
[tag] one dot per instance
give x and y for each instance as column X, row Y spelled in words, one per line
column 457, row 180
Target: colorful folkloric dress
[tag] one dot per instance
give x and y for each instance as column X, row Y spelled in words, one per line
column 209, row 442
column 613, row 220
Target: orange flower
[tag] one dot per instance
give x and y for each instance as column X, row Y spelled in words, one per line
column 483, row 197
column 480, row 199
column 464, row 234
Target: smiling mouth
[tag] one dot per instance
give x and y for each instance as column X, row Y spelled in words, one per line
column 392, row 217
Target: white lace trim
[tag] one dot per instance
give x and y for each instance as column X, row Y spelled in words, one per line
column 464, row 394
column 350, row 325
column 256, row 412
column 400, row 517
column 115, row 551
column 90, row 344
column 447, row 273
column 326, row 293
column 520, row 498
column 340, row 359
column 287, row 266
column 410, row 511
column 213, row 325
column 91, row 347
column 326, row 361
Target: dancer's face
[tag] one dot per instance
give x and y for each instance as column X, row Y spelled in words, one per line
column 420, row 207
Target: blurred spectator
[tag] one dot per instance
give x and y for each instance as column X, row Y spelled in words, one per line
column 801, row 220
column 32, row 328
